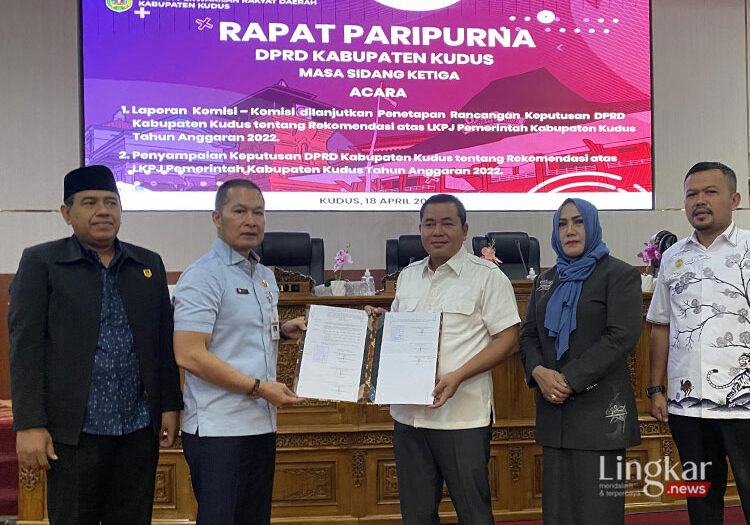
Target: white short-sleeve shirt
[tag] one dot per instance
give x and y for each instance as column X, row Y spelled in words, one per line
column 477, row 302
column 701, row 293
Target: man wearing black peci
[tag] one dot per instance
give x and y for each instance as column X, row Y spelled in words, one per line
column 94, row 382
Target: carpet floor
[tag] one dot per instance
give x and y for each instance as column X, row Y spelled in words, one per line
column 732, row 516
column 8, row 463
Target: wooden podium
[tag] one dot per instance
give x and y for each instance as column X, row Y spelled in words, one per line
column 335, row 465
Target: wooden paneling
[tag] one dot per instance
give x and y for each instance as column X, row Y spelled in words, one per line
column 165, row 488
column 335, row 465
column 4, row 344
column 302, row 483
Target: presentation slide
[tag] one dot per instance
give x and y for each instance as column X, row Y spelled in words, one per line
column 370, row 104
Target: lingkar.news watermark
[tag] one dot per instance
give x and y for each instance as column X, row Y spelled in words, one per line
column 659, row 477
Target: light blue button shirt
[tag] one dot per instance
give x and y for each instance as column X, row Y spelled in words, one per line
column 223, row 294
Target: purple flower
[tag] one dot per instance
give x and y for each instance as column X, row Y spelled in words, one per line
column 651, row 253
column 341, row 259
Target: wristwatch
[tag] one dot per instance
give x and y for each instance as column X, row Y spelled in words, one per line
column 254, row 391
column 651, row 390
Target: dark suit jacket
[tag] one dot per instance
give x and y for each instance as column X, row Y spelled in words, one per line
column 601, row 413
column 53, row 320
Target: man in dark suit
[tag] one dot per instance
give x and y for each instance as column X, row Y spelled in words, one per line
column 94, row 383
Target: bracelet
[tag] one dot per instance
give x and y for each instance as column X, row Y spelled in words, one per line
column 282, row 334
column 254, row 391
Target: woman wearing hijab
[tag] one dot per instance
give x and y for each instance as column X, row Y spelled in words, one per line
column 584, row 317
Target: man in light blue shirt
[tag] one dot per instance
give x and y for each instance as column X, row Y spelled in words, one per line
column 226, row 338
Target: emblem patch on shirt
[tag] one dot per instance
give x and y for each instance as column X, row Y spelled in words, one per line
column 243, row 291
column 147, row 273
column 544, row 285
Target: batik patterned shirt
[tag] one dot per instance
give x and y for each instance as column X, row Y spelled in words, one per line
column 116, row 403
column 702, row 294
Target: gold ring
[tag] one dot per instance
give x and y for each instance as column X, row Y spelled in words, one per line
column 554, row 396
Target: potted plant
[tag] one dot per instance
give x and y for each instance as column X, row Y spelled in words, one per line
column 338, row 286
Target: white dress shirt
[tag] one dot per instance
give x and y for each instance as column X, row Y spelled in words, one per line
column 477, row 301
column 702, row 294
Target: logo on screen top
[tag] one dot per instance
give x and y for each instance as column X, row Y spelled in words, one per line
column 417, row 5
column 119, row 6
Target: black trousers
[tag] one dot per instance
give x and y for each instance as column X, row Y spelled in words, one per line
column 574, row 494
column 105, row 479
column 703, row 440
column 427, row 457
column 232, row 477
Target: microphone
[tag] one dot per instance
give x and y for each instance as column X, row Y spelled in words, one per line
column 523, row 261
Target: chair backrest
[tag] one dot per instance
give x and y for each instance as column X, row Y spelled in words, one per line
column 518, row 251
column 663, row 240
column 294, row 251
column 403, row 251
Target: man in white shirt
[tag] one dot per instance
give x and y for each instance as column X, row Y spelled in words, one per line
column 700, row 341
column 450, row 439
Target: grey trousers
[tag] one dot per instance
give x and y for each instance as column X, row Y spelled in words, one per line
column 426, row 457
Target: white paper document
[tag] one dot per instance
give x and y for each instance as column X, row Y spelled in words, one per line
column 341, row 362
column 408, row 358
column 331, row 365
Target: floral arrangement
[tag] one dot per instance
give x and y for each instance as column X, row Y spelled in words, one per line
column 342, row 258
column 651, row 253
column 488, row 253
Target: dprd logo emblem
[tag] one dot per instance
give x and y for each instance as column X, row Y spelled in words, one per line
column 119, row 6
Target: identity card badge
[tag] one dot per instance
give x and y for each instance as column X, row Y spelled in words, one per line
column 275, row 325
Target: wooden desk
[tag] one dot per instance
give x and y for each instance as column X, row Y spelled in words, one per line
column 335, row 460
